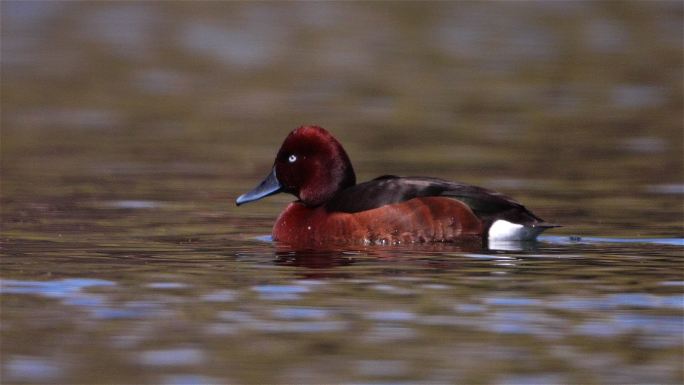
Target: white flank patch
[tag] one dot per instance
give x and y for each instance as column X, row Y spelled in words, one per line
column 503, row 230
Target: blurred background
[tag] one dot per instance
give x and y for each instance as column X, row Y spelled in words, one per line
column 129, row 128
column 581, row 100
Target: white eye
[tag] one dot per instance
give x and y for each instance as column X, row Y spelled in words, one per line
column 292, row 158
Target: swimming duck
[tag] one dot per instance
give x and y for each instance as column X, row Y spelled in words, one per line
column 331, row 208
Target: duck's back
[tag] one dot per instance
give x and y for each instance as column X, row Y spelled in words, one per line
column 499, row 213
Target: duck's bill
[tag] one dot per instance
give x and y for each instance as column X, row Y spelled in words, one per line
column 268, row 186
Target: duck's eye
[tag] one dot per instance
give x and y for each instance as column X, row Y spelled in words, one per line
column 292, row 158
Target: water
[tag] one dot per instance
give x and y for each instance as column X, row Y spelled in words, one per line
column 129, row 129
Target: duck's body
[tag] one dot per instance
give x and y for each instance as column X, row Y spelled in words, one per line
column 333, row 209
column 424, row 219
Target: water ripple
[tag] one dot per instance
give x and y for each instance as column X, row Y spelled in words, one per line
column 54, row 289
column 172, row 357
column 280, row 292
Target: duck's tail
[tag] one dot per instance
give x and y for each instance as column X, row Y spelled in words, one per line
column 503, row 230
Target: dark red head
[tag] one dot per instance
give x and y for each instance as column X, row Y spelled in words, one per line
column 311, row 164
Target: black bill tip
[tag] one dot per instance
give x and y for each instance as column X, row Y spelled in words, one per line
column 269, row 186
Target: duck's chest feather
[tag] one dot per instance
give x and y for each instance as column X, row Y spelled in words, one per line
column 423, row 219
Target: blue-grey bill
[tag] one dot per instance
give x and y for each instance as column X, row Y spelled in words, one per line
column 269, row 186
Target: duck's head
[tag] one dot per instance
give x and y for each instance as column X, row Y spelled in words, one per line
column 311, row 165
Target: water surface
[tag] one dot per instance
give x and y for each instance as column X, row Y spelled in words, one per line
column 128, row 129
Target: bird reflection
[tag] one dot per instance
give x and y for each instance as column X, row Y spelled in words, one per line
column 326, row 257
column 315, row 259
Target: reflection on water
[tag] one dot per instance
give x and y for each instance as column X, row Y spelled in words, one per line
column 598, row 240
column 561, row 303
column 128, row 129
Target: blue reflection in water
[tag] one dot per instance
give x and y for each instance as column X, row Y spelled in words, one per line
column 64, row 288
column 614, row 301
column 660, row 329
column 32, row 369
column 166, row 285
column 510, row 301
column 280, row 292
column 572, row 240
column 184, row 356
column 191, row 379
column 71, row 292
column 294, row 313
column 134, row 204
column 391, row 316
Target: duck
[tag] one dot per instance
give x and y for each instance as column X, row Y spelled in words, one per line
column 332, row 209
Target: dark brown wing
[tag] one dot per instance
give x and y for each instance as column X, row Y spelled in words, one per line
column 488, row 205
